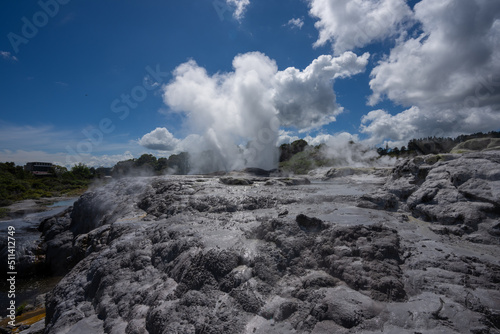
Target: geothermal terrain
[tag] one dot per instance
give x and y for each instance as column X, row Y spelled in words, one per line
column 413, row 249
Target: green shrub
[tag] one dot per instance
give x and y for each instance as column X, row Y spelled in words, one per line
column 300, row 163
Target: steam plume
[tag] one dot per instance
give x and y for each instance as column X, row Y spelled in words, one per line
column 235, row 117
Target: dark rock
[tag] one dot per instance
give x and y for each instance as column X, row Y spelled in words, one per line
column 236, row 181
column 283, row 213
column 259, row 171
column 247, row 299
column 447, row 230
column 380, row 201
column 346, row 312
column 350, row 171
column 320, row 280
column 310, row 224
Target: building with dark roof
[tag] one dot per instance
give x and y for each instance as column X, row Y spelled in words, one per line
column 39, row 168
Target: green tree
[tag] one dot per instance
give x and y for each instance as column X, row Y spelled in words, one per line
column 59, row 170
column 162, row 164
column 81, row 171
column 123, row 168
column 287, row 151
column 146, row 159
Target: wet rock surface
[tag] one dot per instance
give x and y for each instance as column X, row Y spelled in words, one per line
column 199, row 255
column 29, row 254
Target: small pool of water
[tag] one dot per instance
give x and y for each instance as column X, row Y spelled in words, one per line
column 68, row 202
column 27, row 236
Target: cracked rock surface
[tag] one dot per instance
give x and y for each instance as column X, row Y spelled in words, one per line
column 265, row 255
column 461, row 191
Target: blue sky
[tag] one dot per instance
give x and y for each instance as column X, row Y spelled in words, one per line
column 102, row 81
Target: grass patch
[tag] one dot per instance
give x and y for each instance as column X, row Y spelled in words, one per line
column 305, row 161
column 4, row 212
column 20, row 309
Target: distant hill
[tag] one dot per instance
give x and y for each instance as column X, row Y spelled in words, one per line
column 434, row 145
column 479, row 144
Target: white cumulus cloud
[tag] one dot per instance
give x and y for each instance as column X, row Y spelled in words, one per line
column 458, row 50
column 159, row 139
column 286, row 137
column 305, row 99
column 350, row 24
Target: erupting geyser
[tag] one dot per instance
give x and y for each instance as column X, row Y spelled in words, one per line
column 235, row 117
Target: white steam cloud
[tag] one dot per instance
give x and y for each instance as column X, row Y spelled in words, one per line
column 228, row 110
column 347, row 150
column 235, row 117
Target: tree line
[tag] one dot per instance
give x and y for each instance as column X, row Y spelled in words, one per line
column 17, row 184
column 148, row 164
column 434, row 145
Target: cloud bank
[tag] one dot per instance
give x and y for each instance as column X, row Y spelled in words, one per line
column 449, row 74
column 459, row 47
column 444, row 68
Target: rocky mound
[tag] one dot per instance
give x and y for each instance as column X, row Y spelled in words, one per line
column 337, row 172
column 459, row 190
column 162, row 280
column 197, row 255
column 478, row 144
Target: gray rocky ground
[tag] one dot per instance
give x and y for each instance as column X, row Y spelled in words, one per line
column 343, row 251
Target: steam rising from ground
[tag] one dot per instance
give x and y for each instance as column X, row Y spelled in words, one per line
column 341, row 150
column 235, row 117
column 345, row 150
